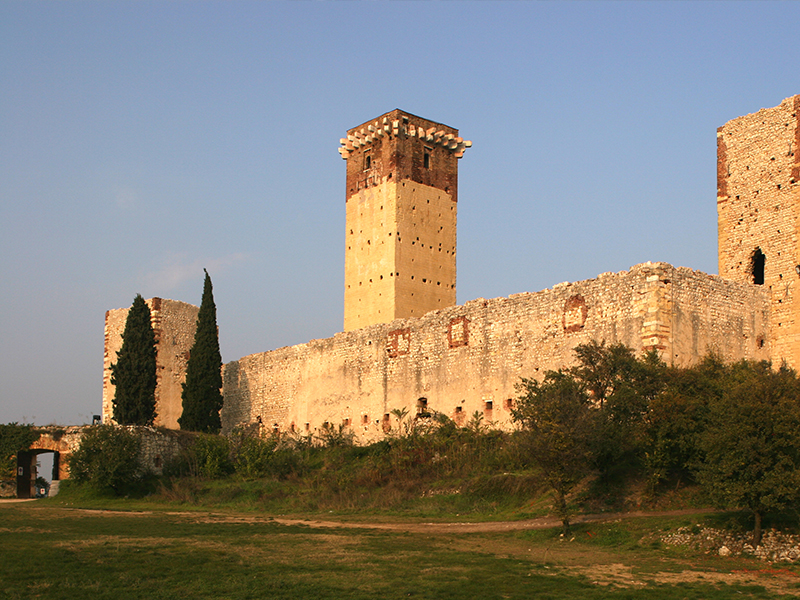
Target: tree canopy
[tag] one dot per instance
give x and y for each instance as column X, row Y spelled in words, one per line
column 732, row 428
column 555, row 414
column 202, row 391
column 751, row 445
column 134, row 373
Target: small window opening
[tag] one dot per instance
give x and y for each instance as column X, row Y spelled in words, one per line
column 426, row 161
column 365, row 419
column 758, row 262
column 367, row 162
column 422, row 408
column 509, row 403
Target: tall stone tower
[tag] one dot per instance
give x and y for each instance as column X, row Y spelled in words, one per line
column 758, row 205
column 401, row 195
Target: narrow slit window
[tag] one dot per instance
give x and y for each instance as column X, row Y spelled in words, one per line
column 758, row 262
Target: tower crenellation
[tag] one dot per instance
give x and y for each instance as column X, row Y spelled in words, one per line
column 401, row 196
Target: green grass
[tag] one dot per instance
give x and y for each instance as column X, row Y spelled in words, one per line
column 55, row 551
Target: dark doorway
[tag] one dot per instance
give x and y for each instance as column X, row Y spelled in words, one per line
column 758, row 261
column 27, row 471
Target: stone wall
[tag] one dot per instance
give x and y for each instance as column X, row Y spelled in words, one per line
column 469, row 358
column 174, row 324
column 159, row 446
column 62, row 440
column 758, row 200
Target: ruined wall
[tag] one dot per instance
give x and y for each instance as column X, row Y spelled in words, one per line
column 469, row 358
column 158, row 448
column 174, row 324
column 57, row 439
column 758, row 170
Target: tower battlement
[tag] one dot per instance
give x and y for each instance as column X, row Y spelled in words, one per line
column 401, row 196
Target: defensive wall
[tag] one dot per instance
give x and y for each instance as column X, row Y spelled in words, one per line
column 158, row 447
column 469, row 358
column 174, row 324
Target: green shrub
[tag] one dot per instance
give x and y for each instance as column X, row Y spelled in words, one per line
column 210, row 456
column 13, row 438
column 108, row 459
column 255, row 457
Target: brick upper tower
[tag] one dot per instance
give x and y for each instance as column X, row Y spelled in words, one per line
column 401, row 195
column 758, row 205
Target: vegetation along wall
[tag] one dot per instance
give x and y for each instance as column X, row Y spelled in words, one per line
column 469, row 358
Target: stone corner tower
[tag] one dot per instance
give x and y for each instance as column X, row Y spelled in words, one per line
column 174, row 324
column 402, row 197
column 758, row 208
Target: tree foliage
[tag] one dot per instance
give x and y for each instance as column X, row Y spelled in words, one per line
column 735, row 429
column 13, row 438
column 134, row 373
column 202, row 391
column 621, row 387
column 556, row 416
column 751, row 445
column 107, row 459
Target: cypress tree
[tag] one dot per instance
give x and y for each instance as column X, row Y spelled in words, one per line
column 202, row 392
column 134, row 373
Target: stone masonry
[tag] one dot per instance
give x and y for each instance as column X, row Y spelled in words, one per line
column 401, row 205
column 758, row 203
column 407, row 346
column 469, row 358
column 174, row 324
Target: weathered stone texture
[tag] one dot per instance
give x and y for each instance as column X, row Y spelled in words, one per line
column 159, row 447
column 400, row 246
column 174, row 324
column 63, row 441
column 758, row 203
column 358, row 377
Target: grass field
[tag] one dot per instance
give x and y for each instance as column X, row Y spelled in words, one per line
column 66, row 548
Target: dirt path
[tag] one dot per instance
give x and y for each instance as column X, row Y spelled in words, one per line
column 442, row 527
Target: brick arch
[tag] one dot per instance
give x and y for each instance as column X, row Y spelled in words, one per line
column 61, row 441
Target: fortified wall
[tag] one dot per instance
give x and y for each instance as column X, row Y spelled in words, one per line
column 174, row 324
column 469, row 358
column 406, row 346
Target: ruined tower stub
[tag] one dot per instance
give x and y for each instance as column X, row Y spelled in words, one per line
column 758, row 205
column 174, row 324
column 401, row 197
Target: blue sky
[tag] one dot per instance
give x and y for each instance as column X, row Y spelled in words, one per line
column 143, row 141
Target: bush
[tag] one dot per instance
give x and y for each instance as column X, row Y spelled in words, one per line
column 13, row 438
column 209, row 457
column 257, row 458
column 108, row 460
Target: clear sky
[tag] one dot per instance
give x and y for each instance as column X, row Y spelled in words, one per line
column 143, row 141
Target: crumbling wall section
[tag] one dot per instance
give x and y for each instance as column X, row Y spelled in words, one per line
column 469, row 358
